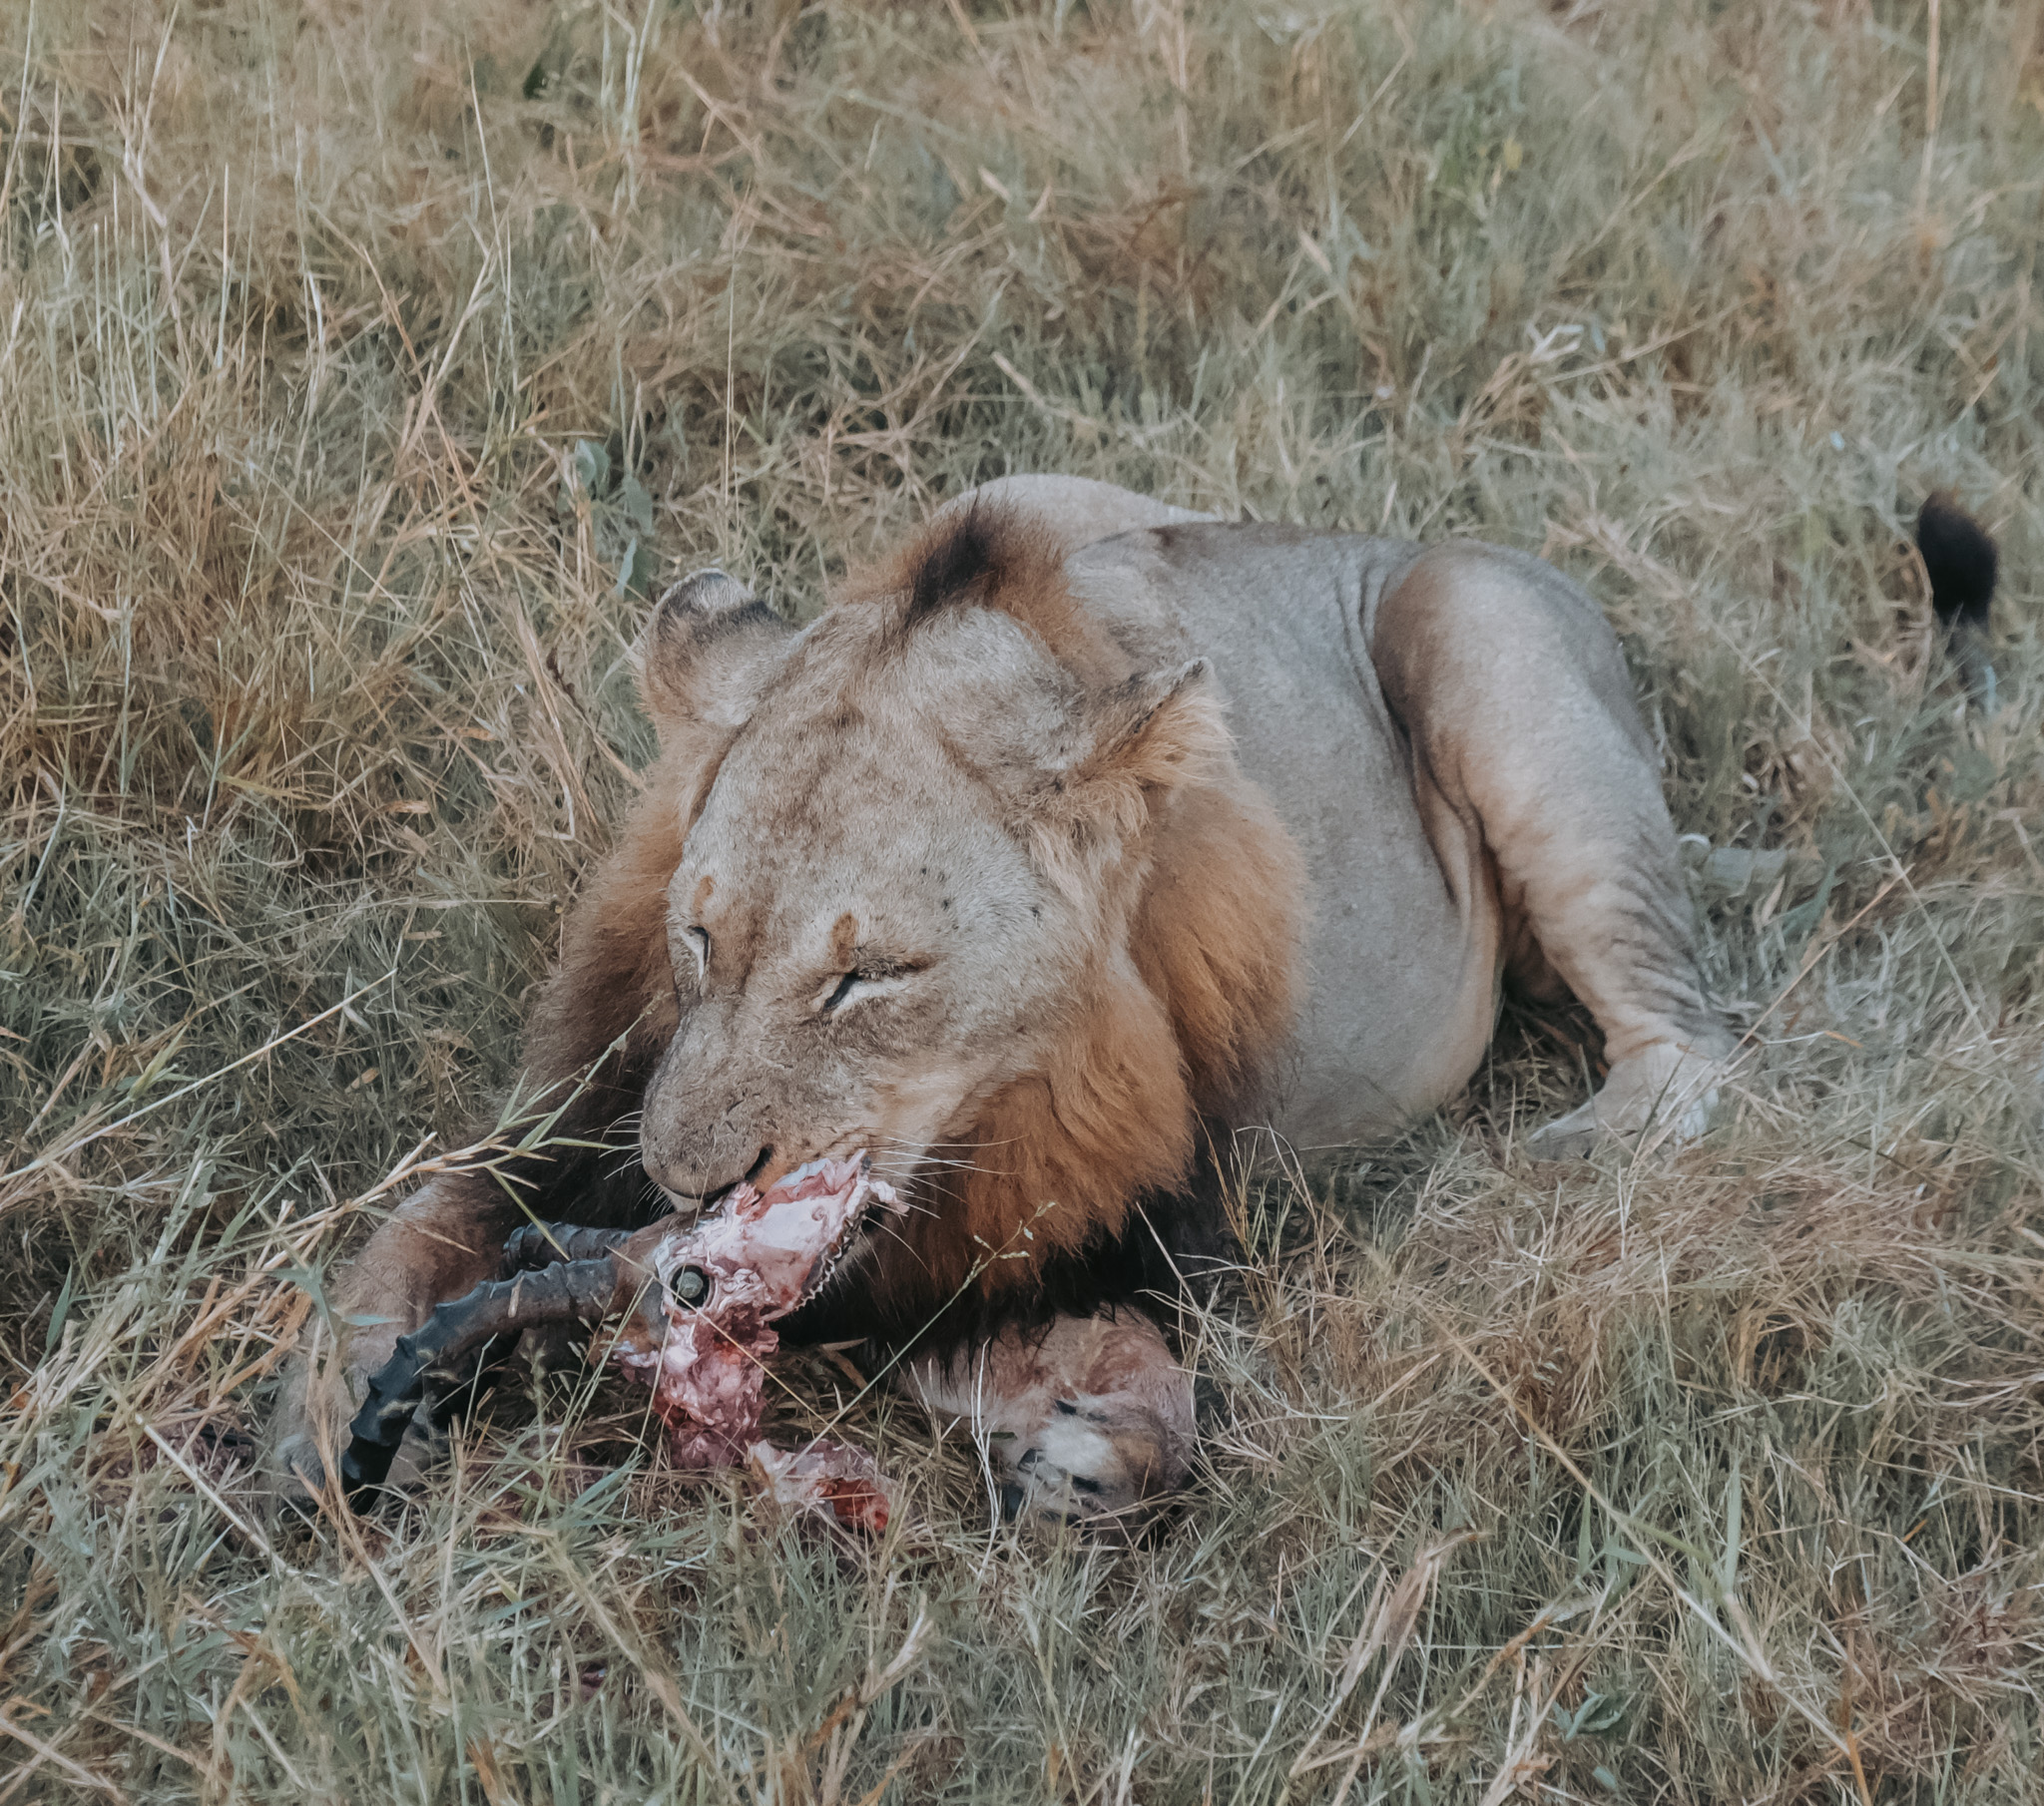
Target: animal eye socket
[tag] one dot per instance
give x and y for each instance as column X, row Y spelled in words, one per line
column 689, row 1287
column 698, row 944
column 843, row 989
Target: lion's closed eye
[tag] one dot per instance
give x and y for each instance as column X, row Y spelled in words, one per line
column 698, row 944
column 867, row 979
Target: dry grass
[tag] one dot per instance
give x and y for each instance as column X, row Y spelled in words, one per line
column 358, row 361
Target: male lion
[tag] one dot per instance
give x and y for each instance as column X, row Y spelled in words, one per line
column 1087, row 833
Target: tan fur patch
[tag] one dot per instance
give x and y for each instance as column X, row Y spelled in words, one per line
column 1215, row 936
column 844, row 938
column 1057, row 1158
column 990, row 556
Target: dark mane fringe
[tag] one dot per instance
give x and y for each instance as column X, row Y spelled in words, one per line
column 984, row 556
column 1174, row 1253
column 958, row 558
column 989, row 556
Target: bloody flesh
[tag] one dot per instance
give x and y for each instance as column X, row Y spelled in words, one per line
column 702, row 1332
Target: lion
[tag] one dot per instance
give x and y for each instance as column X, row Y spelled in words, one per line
column 1083, row 837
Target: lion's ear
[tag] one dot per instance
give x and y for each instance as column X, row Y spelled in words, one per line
column 1158, row 729
column 1137, row 743
column 706, row 652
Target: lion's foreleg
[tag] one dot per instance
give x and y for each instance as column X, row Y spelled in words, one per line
column 595, row 1034
column 1092, row 1422
column 440, row 1242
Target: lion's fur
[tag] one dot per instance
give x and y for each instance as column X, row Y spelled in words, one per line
column 1182, row 879
column 1184, row 986
column 1214, row 934
column 1118, row 829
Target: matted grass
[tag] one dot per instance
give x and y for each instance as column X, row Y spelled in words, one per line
column 358, row 361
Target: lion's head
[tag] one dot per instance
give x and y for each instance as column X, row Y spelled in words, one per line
column 921, row 907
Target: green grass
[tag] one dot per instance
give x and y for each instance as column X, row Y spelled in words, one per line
column 356, row 364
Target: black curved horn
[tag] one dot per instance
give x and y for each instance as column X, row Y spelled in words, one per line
column 543, row 1245
column 576, row 1291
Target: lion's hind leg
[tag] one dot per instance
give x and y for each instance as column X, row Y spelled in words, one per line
column 1089, row 1421
column 1511, row 686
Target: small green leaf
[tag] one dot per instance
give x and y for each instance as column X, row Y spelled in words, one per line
column 59, row 1311
column 308, row 1280
column 636, row 504
column 589, row 467
column 635, row 572
column 1601, row 1713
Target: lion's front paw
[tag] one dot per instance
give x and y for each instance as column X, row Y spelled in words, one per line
column 310, row 1427
column 311, row 1416
column 298, row 1476
column 1569, row 1137
column 1092, row 1463
column 1089, row 1421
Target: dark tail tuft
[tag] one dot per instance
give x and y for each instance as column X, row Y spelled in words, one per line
column 1960, row 560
